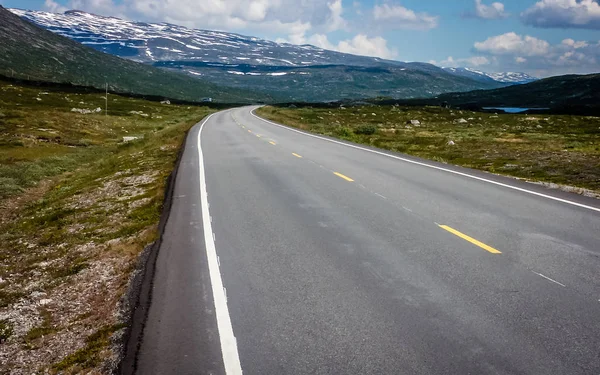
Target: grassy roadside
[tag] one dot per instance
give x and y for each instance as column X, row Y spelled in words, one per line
column 77, row 206
column 552, row 149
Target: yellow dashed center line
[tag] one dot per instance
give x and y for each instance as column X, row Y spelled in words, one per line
column 344, row 177
column 273, row 143
column 296, row 155
column 470, row 239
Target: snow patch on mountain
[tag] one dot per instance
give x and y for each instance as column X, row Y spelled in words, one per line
column 151, row 42
column 507, row 77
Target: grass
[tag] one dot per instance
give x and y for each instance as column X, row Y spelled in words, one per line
column 35, row 333
column 6, row 330
column 77, row 206
column 557, row 149
column 88, row 356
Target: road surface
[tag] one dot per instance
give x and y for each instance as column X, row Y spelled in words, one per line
column 287, row 253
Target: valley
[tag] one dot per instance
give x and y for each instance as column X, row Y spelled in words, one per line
column 179, row 200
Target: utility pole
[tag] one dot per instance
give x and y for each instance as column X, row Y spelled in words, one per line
column 106, row 101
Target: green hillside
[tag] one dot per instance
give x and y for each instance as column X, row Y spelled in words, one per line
column 553, row 92
column 30, row 52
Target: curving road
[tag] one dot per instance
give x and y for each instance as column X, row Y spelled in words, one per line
column 287, row 253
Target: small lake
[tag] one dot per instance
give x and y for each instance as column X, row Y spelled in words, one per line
column 514, row 109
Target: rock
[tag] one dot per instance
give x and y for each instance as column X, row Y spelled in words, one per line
column 373, row 114
column 451, row 143
column 342, row 107
column 139, row 113
column 44, row 301
column 539, row 126
column 414, row 122
column 98, row 110
column 38, row 99
column 461, row 121
column 129, row 139
column 165, row 102
column 83, row 111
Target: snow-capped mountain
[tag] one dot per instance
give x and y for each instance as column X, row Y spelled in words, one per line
column 508, row 77
column 150, row 42
column 286, row 71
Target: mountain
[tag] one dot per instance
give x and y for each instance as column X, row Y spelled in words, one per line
column 290, row 72
column 508, row 77
column 579, row 92
column 28, row 51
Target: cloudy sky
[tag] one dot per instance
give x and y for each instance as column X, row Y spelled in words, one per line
column 542, row 38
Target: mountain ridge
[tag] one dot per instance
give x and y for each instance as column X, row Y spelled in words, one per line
column 316, row 75
column 504, row 77
column 38, row 54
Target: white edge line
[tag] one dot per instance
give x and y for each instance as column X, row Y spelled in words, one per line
column 434, row 167
column 547, row 278
column 229, row 350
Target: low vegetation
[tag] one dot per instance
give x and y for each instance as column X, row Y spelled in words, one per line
column 80, row 197
column 553, row 149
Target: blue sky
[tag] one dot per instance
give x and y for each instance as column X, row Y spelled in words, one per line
column 540, row 37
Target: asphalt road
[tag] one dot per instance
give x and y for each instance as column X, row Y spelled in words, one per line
column 311, row 256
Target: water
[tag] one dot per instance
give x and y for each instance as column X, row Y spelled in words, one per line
column 513, row 109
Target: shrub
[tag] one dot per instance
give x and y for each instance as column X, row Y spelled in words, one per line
column 343, row 131
column 365, row 129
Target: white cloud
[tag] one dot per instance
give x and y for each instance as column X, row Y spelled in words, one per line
column 538, row 57
column 270, row 16
column 54, row 7
column 574, row 44
column 363, row 45
column 583, row 14
column 336, row 21
column 359, row 45
column 472, row 62
column 104, row 7
column 511, row 44
column 490, row 12
column 402, row 18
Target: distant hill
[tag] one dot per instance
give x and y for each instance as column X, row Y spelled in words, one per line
column 290, row 72
column 30, row 52
column 555, row 92
column 507, row 77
